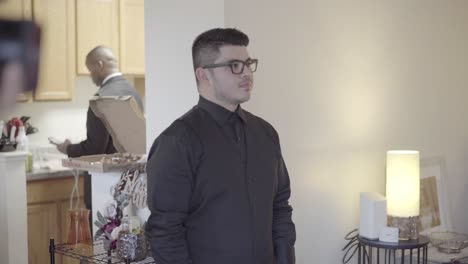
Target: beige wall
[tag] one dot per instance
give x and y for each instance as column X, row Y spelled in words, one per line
column 345, row 81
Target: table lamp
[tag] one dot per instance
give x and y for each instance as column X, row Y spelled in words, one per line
column 402, row 191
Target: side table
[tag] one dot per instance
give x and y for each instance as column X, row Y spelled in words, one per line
column 405, row 251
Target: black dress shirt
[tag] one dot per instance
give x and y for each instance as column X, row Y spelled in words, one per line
column 218, row 191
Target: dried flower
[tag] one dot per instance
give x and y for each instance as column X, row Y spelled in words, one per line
column 109, row 222
column 110, row 209
column 115, row 232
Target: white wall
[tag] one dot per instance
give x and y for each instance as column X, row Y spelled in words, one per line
column 170, row 28
column 342, row 82
column 62, row 120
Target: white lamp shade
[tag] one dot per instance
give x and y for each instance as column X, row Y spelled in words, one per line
column 403, row 183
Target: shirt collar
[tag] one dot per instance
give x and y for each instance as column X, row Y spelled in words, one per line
column 108, row 77
column 219, row 113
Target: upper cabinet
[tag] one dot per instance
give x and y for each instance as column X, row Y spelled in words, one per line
column 57, row 59
column 118, row 24
column 132, row 37
column 70, row 29
column 97, row 23
column 15, row 9
column 56, row 20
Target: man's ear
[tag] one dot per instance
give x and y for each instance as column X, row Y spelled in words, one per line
column 200, row 74
column 100, row 64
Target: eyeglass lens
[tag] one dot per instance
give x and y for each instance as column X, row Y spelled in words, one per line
column 237, row 67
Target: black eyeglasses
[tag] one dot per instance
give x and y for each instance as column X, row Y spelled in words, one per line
column 237, row 66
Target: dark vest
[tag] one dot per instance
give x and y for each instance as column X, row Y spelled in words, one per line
column 231, row 213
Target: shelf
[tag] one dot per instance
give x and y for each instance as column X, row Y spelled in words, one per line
column 91, row 253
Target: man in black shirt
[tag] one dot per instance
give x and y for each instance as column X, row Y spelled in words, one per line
column 218, row 188
column 103, row 68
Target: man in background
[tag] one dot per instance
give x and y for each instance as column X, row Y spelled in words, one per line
column 104, row 71
column 103, row 67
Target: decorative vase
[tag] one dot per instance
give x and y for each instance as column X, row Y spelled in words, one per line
column 86, row 236
column 79, row 231
column 132, row 247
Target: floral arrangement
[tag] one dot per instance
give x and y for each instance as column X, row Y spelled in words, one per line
column 117, row 215
column 110, row 221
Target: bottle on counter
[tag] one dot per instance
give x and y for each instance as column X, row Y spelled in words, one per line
column 2, row 125
column 12, row 133
column 22, row 140
column 23, row 145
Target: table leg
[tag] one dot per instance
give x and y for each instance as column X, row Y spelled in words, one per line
column 52, row 250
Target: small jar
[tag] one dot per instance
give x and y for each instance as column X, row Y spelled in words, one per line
column 132, row 247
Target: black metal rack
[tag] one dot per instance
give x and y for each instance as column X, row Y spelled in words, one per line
column 409, row 251
column 87, row 253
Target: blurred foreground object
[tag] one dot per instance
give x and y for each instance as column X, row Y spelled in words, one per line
column 19, row 59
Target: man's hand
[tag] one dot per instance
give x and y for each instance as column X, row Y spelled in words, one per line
column 63, row 146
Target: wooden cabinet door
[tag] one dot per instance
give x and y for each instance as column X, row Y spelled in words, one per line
column 48, row 204
column 56, row 71
column 132, row 37
column 42, row 224
column 15, row 9
column 97, row 23
column 64, row 206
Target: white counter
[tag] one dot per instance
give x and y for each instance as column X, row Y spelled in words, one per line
column 13, row 208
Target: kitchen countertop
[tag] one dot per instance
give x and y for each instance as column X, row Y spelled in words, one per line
column 44, row 174
column 47, row 164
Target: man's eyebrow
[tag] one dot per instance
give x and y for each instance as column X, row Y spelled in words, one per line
column 237, row 60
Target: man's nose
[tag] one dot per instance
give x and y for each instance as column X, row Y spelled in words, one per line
column 247, row 71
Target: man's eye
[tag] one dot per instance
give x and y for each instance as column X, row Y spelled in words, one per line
column 237, row 65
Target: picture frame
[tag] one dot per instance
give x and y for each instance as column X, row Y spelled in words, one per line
column 434, row 206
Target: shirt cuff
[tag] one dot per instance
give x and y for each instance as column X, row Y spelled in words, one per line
column 285, row 254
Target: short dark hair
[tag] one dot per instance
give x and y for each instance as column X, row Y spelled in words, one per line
column 205, row 48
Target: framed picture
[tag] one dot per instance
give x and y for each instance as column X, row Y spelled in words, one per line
column 434, row 209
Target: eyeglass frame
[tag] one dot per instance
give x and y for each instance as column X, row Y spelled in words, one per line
column 231, row 63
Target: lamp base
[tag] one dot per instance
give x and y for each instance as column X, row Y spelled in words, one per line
column 407, row 226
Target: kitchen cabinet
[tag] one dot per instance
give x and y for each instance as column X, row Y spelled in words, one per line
column 118, row 24
column 97, row 23
column 132, row 37
column 48, row 202
column 42, row 223
column 57, row 58
column 17, row 9
column 57, row 21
